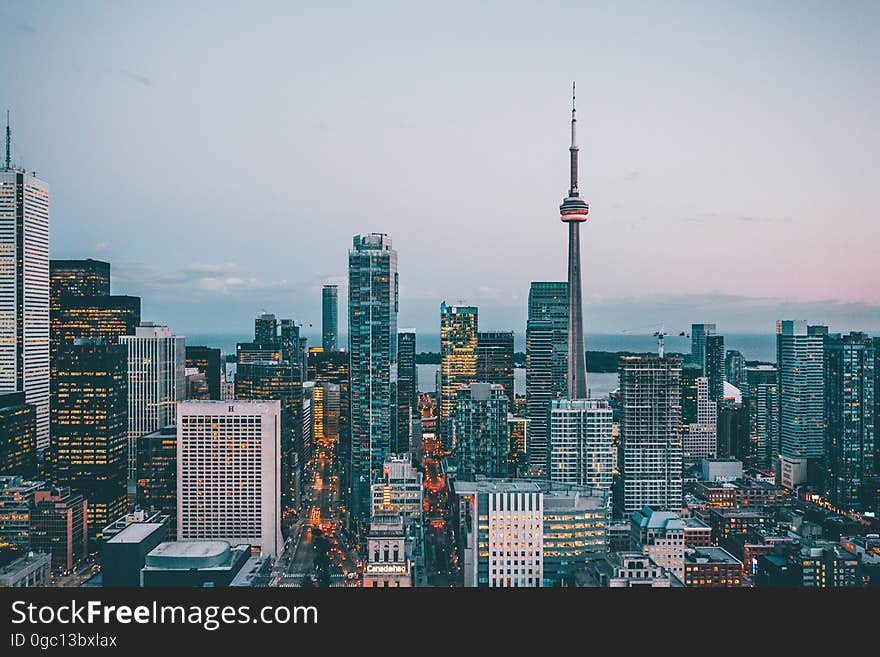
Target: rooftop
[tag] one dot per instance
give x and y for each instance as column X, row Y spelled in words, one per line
column 648, row 518
column 712, row 555
column 556, row 497
column 188, row 555
column 29, row 560
column 136, row 532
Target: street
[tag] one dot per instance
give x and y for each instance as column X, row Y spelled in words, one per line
column 319, row 519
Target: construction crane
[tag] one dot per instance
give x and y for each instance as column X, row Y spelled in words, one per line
column 659, row 334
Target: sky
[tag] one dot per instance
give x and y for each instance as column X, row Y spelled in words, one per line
column 222, row 155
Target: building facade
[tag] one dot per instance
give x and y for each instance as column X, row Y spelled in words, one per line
column 700, row 439
column 77, row 278
column 650, row 459
column 580, row 450
column 89, row 447
column 372, row 346
column 458, row 362
column 546, row 362
column 716, row 368
column 330, row 317
column 761, row 397
column 479, row 426
column 157, row 474
column 526, row 533
column 229, row 473
column 24, row 292
column 272, row 380
column 495, row 361
column 699, row 333
column 799, row 357
column 407, row 388
column 850, row 422
column 18, row 435
column 156, row 382
column 207, row 361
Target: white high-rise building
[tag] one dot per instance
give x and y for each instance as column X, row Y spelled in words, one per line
column 24, row 291
column 700, row 441
column 156, row 382
column 229, row 472
column 650, row 439
column 580, row 449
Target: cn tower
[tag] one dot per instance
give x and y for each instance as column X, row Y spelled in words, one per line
column 574, row 211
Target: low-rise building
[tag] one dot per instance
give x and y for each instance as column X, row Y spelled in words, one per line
column 626, row 570
column 711, row 567
column 30, row 570
column 525, row 532
column 387, row 563
column 194, row 564
column 721, row 469
column 125, row 553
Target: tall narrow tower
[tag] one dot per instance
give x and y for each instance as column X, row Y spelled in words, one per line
column 574, row 212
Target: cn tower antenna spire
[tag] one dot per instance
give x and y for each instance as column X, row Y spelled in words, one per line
column 573, row 149
column 8, row 143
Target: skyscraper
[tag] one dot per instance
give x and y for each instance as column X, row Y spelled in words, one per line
column 270, row 380
column 24, row 290
column 78, row 278
column 699, row 332
column 546, row 361
column 574, row 212
column 735, row 367
column 850, row 422
column 700, row 438
column 690, row 373
column 458, row 361
column 799, row 350
column 480, row 428
column 18, row 436
column 228, row 473
column 518, row 441
column 761, row 397
column 372, row 341
column 329, row 317
column 650, row 444
column 207, row 361
column 715, row 366
column 291, row 346
column 407, row 388
column 89, row 447
column 266, row 329
column 156, row 382
column 733, row 433
column 105, row 318
column 580, row 449
column 495, row 361
column 332, row 367
column 157, row 474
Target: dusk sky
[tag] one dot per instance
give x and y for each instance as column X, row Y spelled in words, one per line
column 222, row 156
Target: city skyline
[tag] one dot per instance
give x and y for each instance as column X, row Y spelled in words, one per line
column 423, row 134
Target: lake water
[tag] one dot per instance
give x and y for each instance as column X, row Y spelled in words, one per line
column 755, row 346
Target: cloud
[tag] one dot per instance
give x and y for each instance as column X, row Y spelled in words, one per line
column 100, row 247
column 194, row 280
column 633, row 175
column 137, row 77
